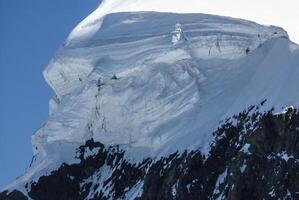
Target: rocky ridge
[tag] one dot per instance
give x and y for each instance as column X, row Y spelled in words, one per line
column 254, row 155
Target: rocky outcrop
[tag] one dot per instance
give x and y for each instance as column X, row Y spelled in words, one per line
column 254, row 155
column 14, row 195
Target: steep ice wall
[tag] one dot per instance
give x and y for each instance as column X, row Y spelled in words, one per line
column 131, row 84
column 155, row 83
column 211, row 36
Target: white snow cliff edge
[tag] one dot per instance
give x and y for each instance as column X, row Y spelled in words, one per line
column 158, row 82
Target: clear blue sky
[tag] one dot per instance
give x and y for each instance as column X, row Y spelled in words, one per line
column 30, row 32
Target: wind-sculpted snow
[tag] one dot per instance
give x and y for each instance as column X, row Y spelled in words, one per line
column 125, row 40
column 131, row 85
column 156, row 83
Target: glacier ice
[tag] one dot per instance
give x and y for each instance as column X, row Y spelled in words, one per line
column 120, row 79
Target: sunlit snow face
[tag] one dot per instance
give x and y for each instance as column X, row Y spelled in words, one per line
column 268, row 12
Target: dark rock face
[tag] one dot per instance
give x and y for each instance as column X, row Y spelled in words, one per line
column 254, row 155
column 14, row 195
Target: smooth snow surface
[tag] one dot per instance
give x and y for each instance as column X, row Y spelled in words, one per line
column 155, row 83
column 274, row 12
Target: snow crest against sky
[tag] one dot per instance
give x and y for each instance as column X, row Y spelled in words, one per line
column 30, row 33
column 268, row 12
column 32, row 30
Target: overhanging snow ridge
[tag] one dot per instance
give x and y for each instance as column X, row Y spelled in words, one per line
column 206, row 36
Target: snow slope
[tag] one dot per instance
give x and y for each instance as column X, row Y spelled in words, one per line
column 155, row 83
column 163, row 84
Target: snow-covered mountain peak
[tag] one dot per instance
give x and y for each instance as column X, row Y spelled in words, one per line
column 142, row 73
column 153, row 83
column 204, row 36
column 143, row 77
column 132, row 84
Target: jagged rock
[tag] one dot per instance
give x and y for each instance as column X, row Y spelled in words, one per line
column 14, row 195
column 254, row 156
column 173, row 89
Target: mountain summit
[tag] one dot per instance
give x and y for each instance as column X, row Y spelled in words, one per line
column 164, row 105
